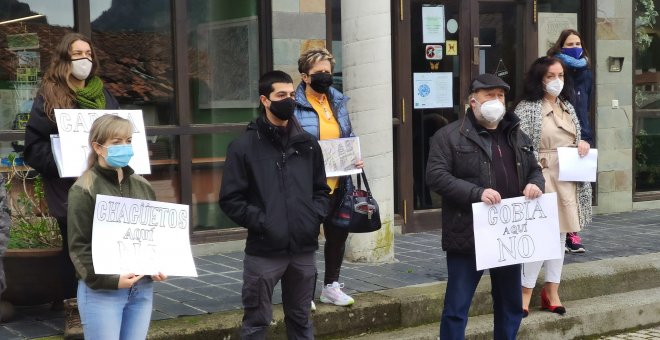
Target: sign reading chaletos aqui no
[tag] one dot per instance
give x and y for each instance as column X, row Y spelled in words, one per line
column 517, row 230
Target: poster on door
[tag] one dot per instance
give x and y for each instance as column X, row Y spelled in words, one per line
column 433, row 24
column 517, row 230
column 433, row 90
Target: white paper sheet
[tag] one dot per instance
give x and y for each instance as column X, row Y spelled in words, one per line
column 57, row 152
column 340, row 156
column 573, row 168
column 433, row 24
column 74, row 125
column 141, row 237
column 517, row 230
column 433, row 90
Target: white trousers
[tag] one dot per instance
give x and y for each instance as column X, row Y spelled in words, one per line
column 530, row 271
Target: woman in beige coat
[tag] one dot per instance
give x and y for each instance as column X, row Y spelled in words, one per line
column 550, row 121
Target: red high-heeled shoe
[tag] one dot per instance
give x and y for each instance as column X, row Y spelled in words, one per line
column 525, row 312
column 545, row 304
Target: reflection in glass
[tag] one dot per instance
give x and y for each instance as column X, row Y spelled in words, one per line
column 208, row 161
column 29, row 33
column 646, row 103
column 134, row 45
column 427, row 121
column 165, row 175
column 224, row 60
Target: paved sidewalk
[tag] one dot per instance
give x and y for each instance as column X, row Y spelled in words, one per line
column 644, row 334
column 419, row 260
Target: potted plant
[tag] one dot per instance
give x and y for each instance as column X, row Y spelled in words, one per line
column 32, row 267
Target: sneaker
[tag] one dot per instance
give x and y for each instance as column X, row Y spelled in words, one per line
column 313, row 306
column 72, row 326
column 332, row 293
column 574, row 243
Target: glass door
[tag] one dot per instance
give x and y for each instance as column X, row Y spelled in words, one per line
column 500, row 43
column 435, row 69
column 439, row 46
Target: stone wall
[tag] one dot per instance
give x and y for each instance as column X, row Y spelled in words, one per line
column 614, row 25
column 367, row 71
column 297, row 26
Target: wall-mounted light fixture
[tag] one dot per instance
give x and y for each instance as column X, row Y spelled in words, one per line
column 615, row 64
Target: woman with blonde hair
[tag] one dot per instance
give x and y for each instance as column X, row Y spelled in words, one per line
column 111, row 306
column 321, row 110
column 70, row 82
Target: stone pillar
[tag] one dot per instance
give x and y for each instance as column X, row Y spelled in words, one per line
column 367, row 77
column 298, row 25
column 614, row 32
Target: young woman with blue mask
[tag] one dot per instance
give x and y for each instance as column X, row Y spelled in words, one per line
column 570, row 50
column 111, row 306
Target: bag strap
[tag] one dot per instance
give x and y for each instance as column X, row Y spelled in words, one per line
column 363, row 176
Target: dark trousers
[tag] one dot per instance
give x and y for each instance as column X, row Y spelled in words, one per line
column 260, row 275
column 462, row 282
column 335, row 245
column 67, row 271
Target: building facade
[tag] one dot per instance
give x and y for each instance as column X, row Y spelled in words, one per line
column 192, row 68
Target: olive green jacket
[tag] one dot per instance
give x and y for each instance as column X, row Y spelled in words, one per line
column 82, row 200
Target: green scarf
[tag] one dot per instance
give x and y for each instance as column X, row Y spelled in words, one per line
column 91, row 96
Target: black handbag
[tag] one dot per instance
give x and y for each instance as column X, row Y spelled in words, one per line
column 354, row 209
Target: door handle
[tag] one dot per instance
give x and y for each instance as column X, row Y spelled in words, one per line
column 477, row 46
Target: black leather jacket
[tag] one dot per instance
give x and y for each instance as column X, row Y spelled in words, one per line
column 459, row 168
column 278, row 193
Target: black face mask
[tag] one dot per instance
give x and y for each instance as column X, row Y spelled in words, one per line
column 283, row 109
column 320, row 82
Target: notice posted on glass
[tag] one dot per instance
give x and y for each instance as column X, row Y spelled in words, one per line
column 340, row 156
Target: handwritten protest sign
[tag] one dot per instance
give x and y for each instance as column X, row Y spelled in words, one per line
column 340, row 156
column 141, row 237
column 74, row 125
column 516, row 231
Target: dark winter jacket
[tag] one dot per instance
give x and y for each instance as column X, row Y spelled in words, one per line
column 459, row 168
column 309, row 119
column 81, row 217
column 278, row 193
column 39, row 155
column 582, row 84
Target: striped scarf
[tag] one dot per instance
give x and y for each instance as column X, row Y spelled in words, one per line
column 91, row 96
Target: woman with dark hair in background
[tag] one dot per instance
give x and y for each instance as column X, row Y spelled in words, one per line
column 571, row 52
column 548, row 118
column 69, row 82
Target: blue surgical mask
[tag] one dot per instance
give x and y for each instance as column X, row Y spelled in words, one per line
column 575, row 52
column 119, row 155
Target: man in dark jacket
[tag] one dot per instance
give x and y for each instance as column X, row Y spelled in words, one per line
column 274, row 185
column 483, row 157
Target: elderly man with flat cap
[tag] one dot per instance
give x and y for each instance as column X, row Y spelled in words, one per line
column 483, row 157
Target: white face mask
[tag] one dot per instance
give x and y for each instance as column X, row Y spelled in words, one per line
column 554, row 87
column 492, row 110
column 80, row 68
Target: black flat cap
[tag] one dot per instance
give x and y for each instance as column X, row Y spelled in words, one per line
column 488, row 81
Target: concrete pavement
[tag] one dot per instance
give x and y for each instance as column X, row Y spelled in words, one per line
column 214, row 297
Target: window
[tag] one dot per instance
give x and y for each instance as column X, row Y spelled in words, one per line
column 29, row 32
column 223, row 52
column 646, row 98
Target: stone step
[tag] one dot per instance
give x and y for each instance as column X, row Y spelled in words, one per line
column 409, row 307
column 586, row 317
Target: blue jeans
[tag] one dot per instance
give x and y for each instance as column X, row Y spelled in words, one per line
column 462, row 281
column 116, row 314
